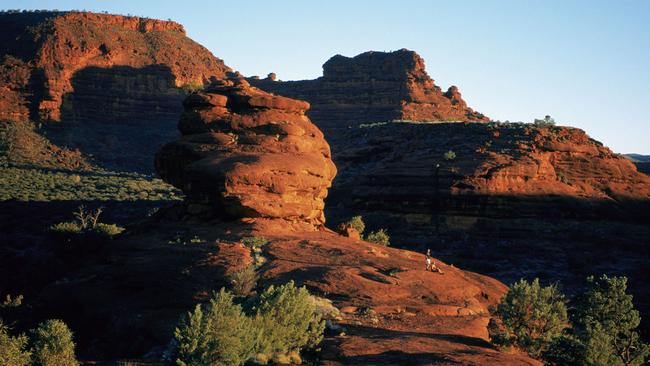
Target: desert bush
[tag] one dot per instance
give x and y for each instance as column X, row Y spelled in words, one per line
column 449, row 155
column 192, row 87
column 288, row 322
column 108, row 229
column 547, row 121
column 605, row 323
column 379, row 237
column 11, row 301
column 356, row 222
column 531, row 317
column 87, row 222
column 254, row 242
column 244, row 281
column 53, row 344
column 13, row 350
column 69, row 227
column 217, row 333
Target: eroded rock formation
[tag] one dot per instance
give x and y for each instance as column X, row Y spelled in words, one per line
column 102, row 84
column 489, row 170
column 44, row 53
column 373, row 87
column 247, row 153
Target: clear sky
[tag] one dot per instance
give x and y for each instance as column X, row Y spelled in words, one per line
column 586, row 63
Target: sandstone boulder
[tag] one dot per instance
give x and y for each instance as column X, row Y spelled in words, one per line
column 246, row 153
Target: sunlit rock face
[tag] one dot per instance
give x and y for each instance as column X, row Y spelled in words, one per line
column 246, row 153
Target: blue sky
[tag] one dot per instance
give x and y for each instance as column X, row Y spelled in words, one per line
column 586, row 63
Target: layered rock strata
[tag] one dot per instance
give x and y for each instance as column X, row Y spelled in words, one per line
column 372, row 87
column 247, row 154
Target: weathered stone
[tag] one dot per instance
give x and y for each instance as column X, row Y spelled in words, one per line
column 373, row 87
column 259, row 156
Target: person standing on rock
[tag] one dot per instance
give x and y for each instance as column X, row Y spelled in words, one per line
column 428, row 261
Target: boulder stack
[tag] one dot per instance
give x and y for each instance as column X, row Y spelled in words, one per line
column 246, row 153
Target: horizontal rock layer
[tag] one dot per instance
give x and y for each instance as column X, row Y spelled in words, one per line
column 247, row 153
column 371, row 87
column 487, row 170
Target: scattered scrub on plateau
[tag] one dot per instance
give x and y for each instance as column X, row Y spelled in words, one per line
column 51, row 345
column 547, row 121
column 87, row 222
column 28, row 184
column 273, row 327
column 600, row 331
column 379, row 237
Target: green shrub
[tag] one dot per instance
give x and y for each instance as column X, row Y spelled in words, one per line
column 87, row 222
column 356, row 222
column 53, row 344
column 192, row 86
column 605, row 323
column 69, row 227
column 13, row 350
column 217, row 333
column 108, row 229
column 449, row 155
column 547, row 121
column 288, row 322
column 254, row 242
column 11, row 302
column 244, row 281
column 532, row 317
column 379, row 237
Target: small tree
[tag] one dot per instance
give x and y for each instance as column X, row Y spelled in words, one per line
column 53, row 344
column 532, row 317
column 605, row 323
column 217, row 333
column 356, row 222
column 379, row 237
column 547, row 121
column 288, row 322
column 13, row 350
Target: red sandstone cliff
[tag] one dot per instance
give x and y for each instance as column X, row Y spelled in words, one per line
column 372, row 87
column 44, row 51
column 112, row 82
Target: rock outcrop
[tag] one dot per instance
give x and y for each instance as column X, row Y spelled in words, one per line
column 100, row 83
column 46, row 52
column 373, row 87
column 488, row 170
column 247, row 153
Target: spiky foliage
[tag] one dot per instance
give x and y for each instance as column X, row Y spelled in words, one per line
column 214, row 334
column 13, row 350
column 356, row 222
column 288, row 322
column 532, row 316
column 606, row 322
column 53, row 344
column 244, row 281
column 379, row 237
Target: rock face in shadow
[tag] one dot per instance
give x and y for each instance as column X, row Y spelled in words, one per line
column 53, row 46
column 373, row 87
column 485, row 170
column 248, row 154
column 109, row 86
